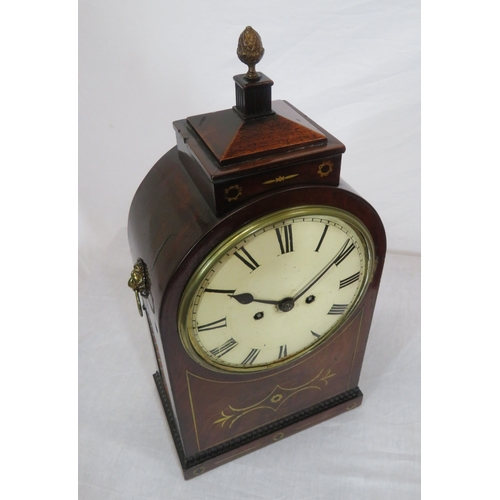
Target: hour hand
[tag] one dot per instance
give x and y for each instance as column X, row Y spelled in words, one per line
column 247, row 298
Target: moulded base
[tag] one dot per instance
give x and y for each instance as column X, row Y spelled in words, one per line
column 275, row 431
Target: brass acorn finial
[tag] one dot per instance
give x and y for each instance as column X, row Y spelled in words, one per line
column 250, row 51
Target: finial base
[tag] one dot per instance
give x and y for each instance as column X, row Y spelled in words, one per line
column 253, row 97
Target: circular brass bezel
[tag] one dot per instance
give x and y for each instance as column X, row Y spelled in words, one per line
column 186, row 333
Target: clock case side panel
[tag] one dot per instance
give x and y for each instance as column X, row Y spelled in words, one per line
column 377, row 230
column 180, row 363
column 167, row 217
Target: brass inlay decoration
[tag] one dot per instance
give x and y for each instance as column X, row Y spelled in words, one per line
column 156, row 348
column 139, row 282
column 325, row 168
column 278, row 436
column 190, row 377
column 198, row 471
column 250, row 51
column 280, row 178
column 356, row 346
column 274, row 400
column 233, row 192
column 351, row 406
column 277, row 398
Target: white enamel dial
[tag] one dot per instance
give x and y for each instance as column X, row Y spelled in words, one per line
column 276, row 288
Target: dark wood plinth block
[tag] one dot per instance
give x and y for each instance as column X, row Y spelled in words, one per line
column 253, row 97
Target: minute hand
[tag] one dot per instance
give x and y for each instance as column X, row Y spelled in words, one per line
column 346, row 249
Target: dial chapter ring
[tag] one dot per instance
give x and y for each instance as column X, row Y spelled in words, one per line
column 211, row 359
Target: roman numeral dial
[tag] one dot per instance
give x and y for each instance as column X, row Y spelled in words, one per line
column 338, row 309
column 349, row 281
column 346, row 249
column 247, row 259
column 285, row 238
column 323, row 234
column 275, row 289
column 214, row 325
column 283, row 352
column 251, row 357
column 224, row 348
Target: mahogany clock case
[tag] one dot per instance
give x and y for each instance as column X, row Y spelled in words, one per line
column 214, row 416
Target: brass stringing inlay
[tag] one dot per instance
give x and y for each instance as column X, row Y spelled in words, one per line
column 280, row 178
column 274, row 400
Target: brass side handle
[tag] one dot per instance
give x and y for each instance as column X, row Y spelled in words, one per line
column 139, row 282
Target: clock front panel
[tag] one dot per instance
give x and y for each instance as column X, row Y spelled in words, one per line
column 223, row 410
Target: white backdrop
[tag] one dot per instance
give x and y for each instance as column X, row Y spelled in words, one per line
column 353, row 66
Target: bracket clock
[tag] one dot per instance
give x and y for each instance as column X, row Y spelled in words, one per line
column 257, row 269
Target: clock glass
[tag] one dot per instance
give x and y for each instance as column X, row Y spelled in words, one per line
column 276, row 288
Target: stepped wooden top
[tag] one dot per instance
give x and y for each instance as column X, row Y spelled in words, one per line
column 232, row 139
